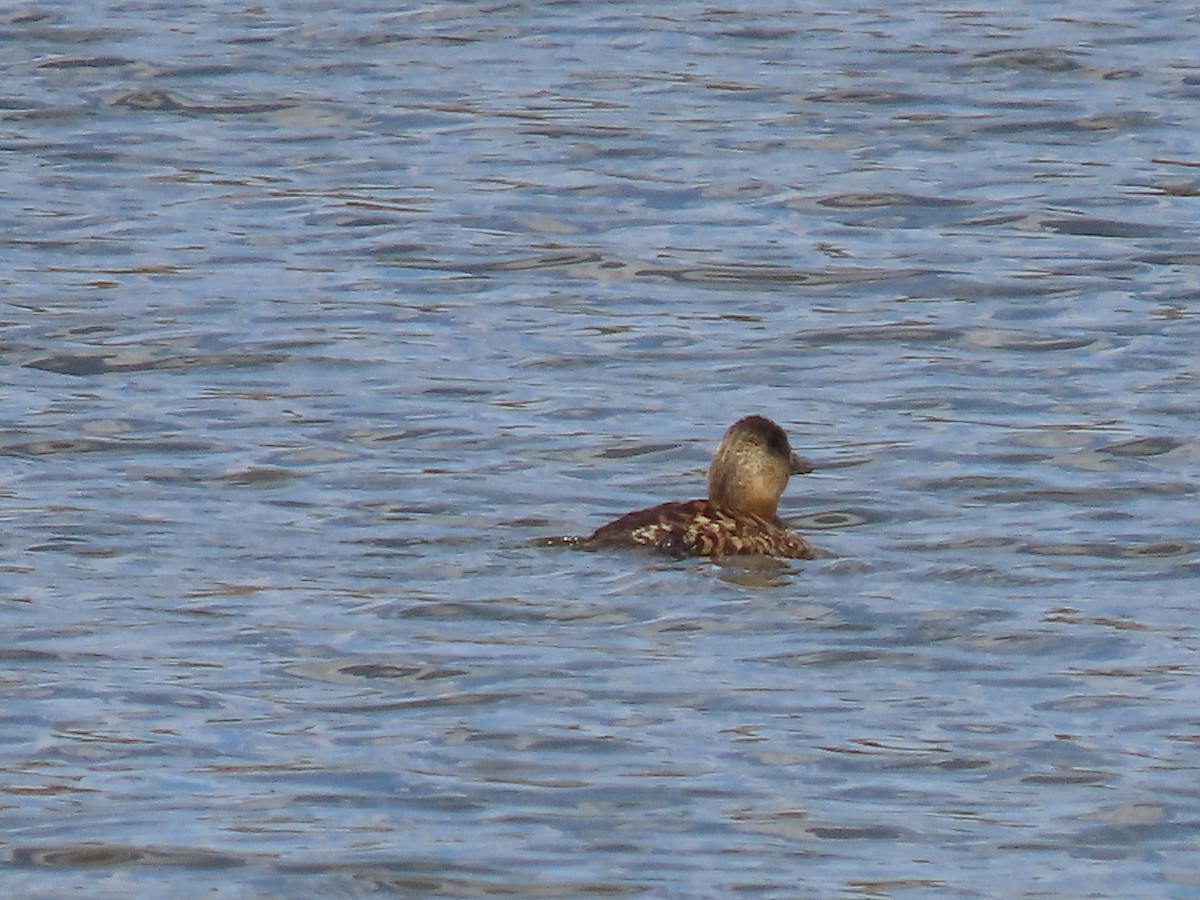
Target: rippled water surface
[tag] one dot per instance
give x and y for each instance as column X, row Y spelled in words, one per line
column 320, row 323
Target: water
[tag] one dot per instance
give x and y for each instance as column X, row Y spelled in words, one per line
column 319, row 322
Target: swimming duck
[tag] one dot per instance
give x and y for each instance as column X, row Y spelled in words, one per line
column 749, row 471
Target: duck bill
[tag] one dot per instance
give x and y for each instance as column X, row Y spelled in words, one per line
column 800, row 465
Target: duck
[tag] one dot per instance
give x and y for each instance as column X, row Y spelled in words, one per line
column 749, row 471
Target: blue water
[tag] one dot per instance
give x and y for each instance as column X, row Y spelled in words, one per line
column 320, row 324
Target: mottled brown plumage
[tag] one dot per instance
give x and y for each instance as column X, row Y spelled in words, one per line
column 749, row 471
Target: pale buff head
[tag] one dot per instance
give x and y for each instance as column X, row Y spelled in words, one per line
column 751, row 467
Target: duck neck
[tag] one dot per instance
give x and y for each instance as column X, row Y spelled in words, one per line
column 737, row 497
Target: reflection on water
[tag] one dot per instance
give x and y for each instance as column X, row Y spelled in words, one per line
column 324, row 325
